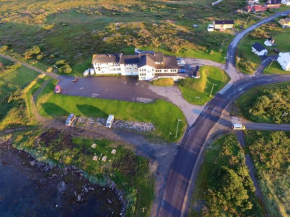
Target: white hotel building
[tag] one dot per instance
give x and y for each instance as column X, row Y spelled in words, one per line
column 144, row 65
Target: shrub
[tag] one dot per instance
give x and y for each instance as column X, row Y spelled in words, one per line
column 60, row 62
column 3, row 48
column 39, row 57
column 65, row 69
column 32, row 51
column 49, row 69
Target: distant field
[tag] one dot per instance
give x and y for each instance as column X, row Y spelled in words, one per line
column 248, row 62
column 74, row 30
column 53, row 105
column 197, row 91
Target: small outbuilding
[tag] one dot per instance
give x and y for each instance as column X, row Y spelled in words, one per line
column 223, row 24
column 269, row 42
column 285, row 2
column 284, row 22
column 259, row 49
column 284, row 61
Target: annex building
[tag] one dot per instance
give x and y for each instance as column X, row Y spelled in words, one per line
column 144, row 65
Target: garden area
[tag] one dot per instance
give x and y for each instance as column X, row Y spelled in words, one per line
column 270, row 152
column 248, row 62
column 224, row 186
column 129, row 172
column 270, row 104
column 200, row 91
column 54, row 105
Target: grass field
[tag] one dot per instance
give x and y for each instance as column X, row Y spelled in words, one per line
column 270, row 152
column 213, row 195
column 268, row 104
column 249, row 61
column 197, row 91
column 12, row 82
column 59, row 148
column 53, row 105
column 164, row 82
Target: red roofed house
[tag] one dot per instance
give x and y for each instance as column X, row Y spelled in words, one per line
column 256, row 8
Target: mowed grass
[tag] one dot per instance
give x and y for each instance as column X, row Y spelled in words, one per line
column 163, row 82
column 197, row 91
column 21, row 77
column 275, row 68
column 52, row 105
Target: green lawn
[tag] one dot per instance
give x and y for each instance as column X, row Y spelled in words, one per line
column 218, row 193
column 268, row 104
column 275, row 68
column 270, row 152
column 197, row 91
column 52, row 105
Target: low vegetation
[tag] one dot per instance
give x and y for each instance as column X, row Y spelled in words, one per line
column 129, row 171
column 271, row 154
column 248, row 62
column 163, row 82
column 224, row 187
column 269, row 104
column 52, row 105
column 199, row 91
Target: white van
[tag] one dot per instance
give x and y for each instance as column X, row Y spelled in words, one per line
column 239, row 127
column 110, row 121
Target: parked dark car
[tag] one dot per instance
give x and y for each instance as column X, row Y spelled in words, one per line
column 276, row 50
column 75, row 79
column 242, row 27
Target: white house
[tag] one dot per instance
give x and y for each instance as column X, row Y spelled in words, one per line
column 143, row 65
column 259, row 49
column 269, row 42
column 285, row 2
column 284, row 61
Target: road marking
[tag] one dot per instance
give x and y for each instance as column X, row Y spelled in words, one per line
column 95, row 94
column 82, row 88
column 106, row 90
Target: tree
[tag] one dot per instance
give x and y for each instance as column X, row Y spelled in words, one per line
column 65, row 69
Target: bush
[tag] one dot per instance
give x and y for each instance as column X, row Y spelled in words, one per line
column 32, row 51
column 61, row 63
column 163, row 82
column 39, row 57
column 49, row 69
column 65, row 69
column 3, row 48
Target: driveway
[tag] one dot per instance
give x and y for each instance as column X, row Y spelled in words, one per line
column 117, row 88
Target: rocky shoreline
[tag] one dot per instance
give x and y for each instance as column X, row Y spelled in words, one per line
column 57, row 191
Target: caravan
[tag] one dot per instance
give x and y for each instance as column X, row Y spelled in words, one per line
column 110, row 121
column 238, row 127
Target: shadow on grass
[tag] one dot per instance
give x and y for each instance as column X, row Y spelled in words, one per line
column 54, row 110
column 91, row 111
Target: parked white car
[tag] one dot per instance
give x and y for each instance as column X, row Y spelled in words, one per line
column 210, row 28
column 92, row 71
column 86, row 73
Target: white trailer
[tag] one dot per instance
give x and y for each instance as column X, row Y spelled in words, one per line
column 110, row 121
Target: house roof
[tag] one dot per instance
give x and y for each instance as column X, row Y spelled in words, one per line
column 158, row 57
column 129, row 59
column 275, row 2
column 146, row 60
column 105, row 58
column 284, row 57
column 259, row 7
column 169, row 62
column 224, row 22
column 258, row 47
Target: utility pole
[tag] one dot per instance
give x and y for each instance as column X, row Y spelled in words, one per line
column 211, row 90
column 270, row 65
column 247, row 21
column 177, row 127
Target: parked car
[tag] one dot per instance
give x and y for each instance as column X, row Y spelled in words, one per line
column 210, row 28
column 70, row 120
column 276, row 50
column 75, row 79
column 182, row 71
column 57, row 89
column 86, row 73
column 238, row 127
column 195, row 25
column 242, row 27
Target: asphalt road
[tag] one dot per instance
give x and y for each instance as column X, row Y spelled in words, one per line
column 176, row 195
